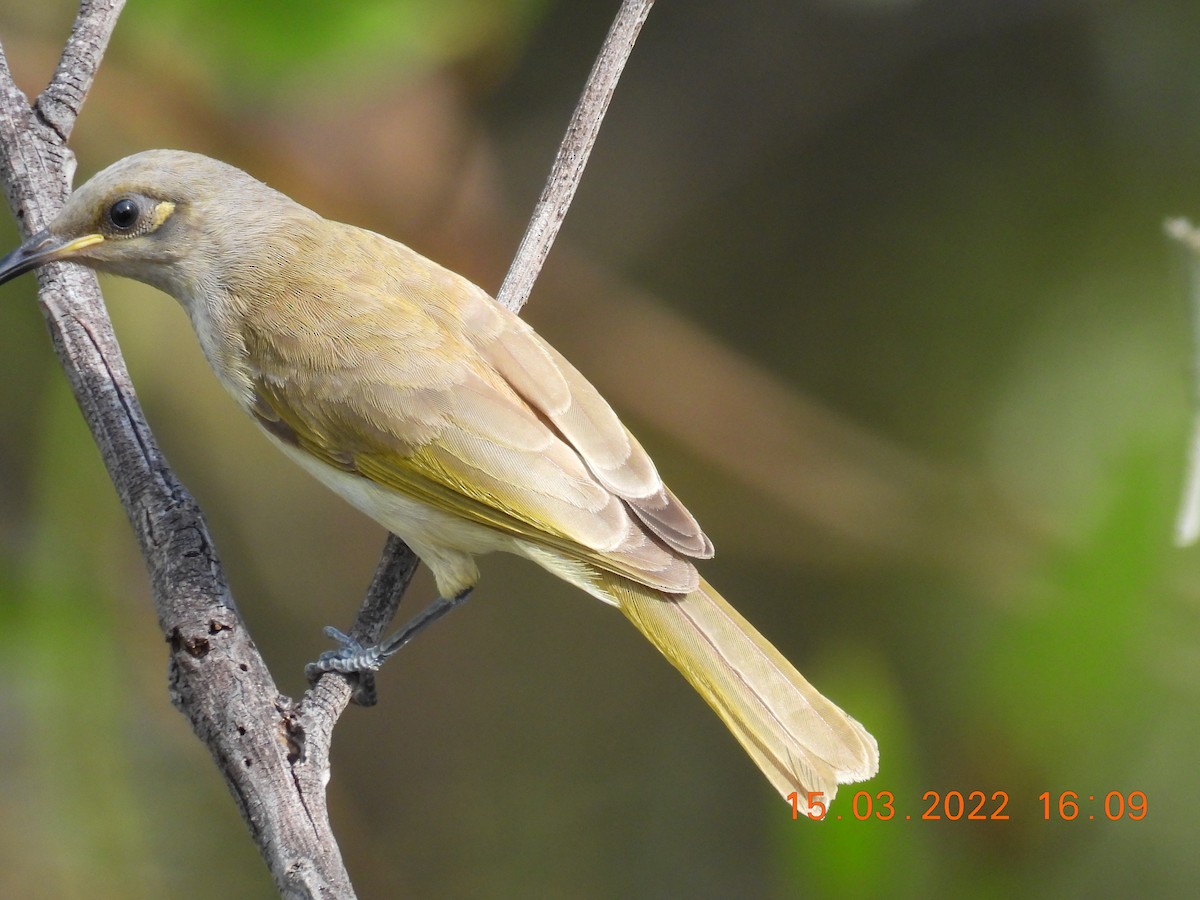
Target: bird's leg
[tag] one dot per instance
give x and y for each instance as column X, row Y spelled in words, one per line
column 352, row 658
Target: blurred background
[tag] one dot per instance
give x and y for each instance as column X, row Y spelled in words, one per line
column 881, row 284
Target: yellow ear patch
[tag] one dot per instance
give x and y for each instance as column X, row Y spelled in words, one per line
column 162, row 212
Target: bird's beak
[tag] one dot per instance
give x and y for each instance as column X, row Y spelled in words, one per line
column 42, row 248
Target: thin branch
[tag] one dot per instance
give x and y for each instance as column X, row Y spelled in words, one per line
column 1187, row 524
column 573, row 154
column 59, row 105
column 398, row 563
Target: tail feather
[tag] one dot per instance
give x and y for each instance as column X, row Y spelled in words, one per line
column 800, row 740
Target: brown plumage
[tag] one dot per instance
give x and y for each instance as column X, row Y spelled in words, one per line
column 446, row 418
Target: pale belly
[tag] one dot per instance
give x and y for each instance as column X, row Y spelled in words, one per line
column 445, row 542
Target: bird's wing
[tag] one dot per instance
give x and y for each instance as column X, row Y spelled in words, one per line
column 465, row 408
column 556, row 391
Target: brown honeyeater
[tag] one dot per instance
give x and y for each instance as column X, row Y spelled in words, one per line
column 447, row 419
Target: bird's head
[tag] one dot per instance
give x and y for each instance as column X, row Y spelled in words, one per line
column 169, row 218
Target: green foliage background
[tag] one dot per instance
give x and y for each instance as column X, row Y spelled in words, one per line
column 882, row 286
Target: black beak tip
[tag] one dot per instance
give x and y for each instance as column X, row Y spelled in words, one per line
column 37, row 250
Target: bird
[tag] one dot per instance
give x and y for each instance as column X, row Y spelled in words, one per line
column 447, row 419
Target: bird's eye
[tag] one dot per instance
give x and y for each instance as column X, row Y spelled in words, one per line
column 123, row 214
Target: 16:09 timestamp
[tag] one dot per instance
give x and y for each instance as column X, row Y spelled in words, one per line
column 1069, row 805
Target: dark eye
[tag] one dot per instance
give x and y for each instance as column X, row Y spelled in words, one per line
column 123, row 214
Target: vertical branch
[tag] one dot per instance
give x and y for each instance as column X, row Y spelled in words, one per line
column 1187, row 524
column 573, row 154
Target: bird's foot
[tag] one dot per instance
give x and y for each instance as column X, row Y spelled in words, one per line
column 360, row 663
column 352, row 659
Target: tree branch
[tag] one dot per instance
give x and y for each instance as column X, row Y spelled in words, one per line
column 573, row 153
column 1187, row 522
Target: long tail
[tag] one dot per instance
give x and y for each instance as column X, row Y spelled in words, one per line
column 800, row 740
